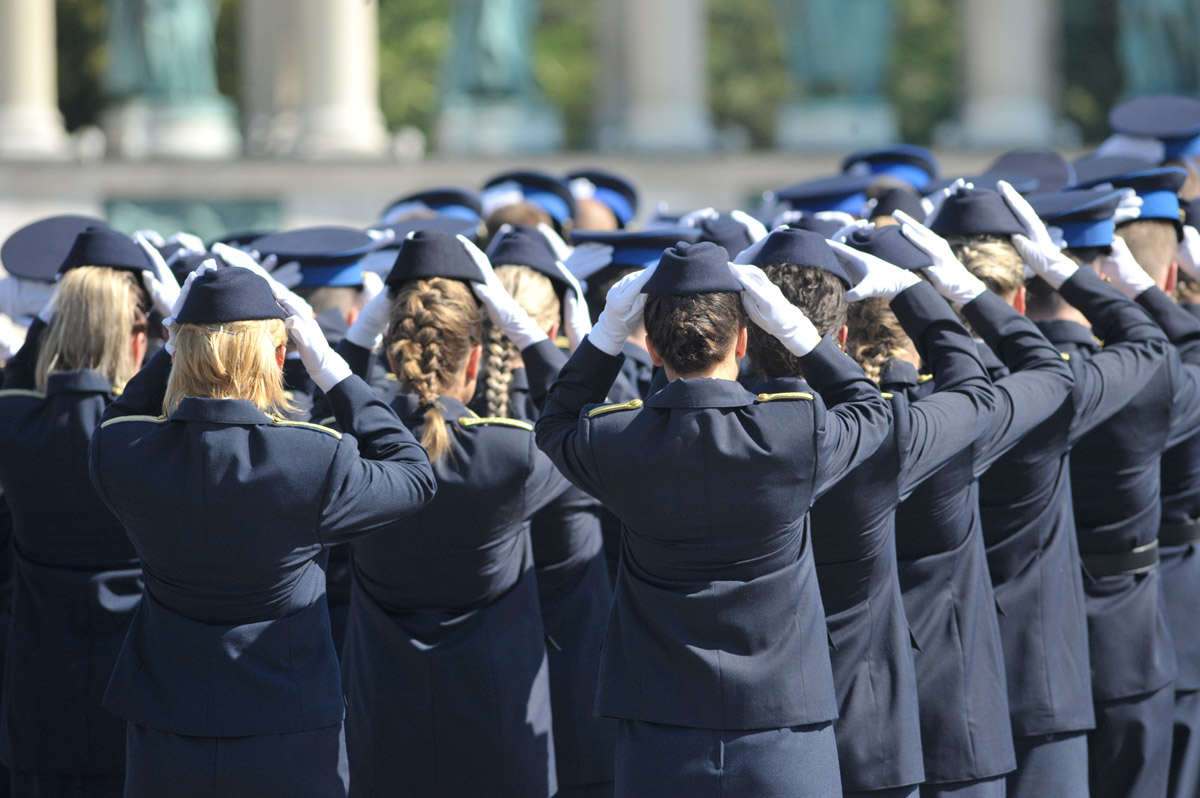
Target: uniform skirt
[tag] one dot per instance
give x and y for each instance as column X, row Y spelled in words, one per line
column 666, row 761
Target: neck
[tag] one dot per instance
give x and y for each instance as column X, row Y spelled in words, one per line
column 726, row 369
column 1063, row 312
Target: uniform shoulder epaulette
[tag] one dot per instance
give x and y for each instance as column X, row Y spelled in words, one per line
column 390, row 377
column 1065, row 356
column 475, row 421
column 119, row 419
column 325, row 422
column 632, row 404
column 923, row 378
column 775, row 397
column 887, row 394
column 283, row 422
column 22, row 392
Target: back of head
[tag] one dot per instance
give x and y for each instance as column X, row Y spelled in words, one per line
column 232, row 360
column 434, row 325
column 323, row 297
column 535, row 293
column 695, row 332
column 520, row 214
column 98, row 311
column 994, row 260
column 1154, row 244
column 817, row 292
column 875, row 335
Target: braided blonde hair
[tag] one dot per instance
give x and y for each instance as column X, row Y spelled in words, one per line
column 433, row 327
column 535, row 293
column 875, row 335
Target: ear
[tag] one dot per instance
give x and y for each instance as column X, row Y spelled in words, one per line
column 552, row 333
column 1172, row 278
column 280, row 355
column 842, row 336
column 654, row 358
column 739, row 348
column 138, row 343
column 473, row 361
column 352, row 314
column 1018, row 302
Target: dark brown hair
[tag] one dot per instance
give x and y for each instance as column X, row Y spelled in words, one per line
column 692, row 333
column 815, row 291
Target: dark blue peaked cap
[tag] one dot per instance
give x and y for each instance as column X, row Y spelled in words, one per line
column 614, row 191
column 432, row 253
column 524, row 246
column 1085, row 217
column 1024, row 184
column 910, row 163
column 1158, row 186
column 639, row 248
column 1173, row 119
column 976, row 212
column 468, row 228
column 889, row 244
column 847, row 193
column 240, row 238
column 103, row 246
column 803, row 248
column 543, row 190
column 726, row 232
column 228, row 295
column 37, row 250
column 1052, row 171
column 460, row 203
column 687, row 269
column 328, row 256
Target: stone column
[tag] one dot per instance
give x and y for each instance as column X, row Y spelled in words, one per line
column 1010, row 80
column 30, row 123
column 653, row 68
column 339, row 68
column 270, row 76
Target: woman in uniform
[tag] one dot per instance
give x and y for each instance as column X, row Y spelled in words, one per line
column 76, row 576
column 228, row 677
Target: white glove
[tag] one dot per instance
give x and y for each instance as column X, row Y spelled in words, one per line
column 244, row 260
column 934, row 202
column 1130, row 208
column 1035, row 228
column 695, row 218
column 770, row 310
column 367, row 330
column 1123, row 270
column 382, row 237
column 21, row 298
column 158, row 279
column 169, row 322
column 575, row 310
column 845, row 230
column 153, row 236
column 504, row 311
column 754, row 228
column 588, row 258
column 1046, row 260
column 623, row 308
column 287, row 274
column 559, row 247
column 873, row 277
column 187, row 243
column 46, row 314
column 324, row 366
column 1189, row 252
column 748, row 254
column 949, row 277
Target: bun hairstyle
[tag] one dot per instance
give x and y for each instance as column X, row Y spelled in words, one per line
column 231, row 360
column 434, row 325
column 875, row 335
column 693, row 332
column 535, row 293
column 98, row 311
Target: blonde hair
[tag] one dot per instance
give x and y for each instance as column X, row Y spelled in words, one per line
column 535, row 293
column 1154, row 244
column 97, row 312
column 875, row 335
column 433, row 327
column 994, row 260
column 234, row 360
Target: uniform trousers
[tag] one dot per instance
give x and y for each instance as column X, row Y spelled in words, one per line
column 1050, row 764
column 912, row 791
column 164, row 765
column 978, row 788
column 1129, row 752
column 31, row 784
column 1185, row 749
column 658, row 761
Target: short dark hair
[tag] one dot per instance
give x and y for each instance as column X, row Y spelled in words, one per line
column 821, row 296
column 692, row 333
column 599, row 283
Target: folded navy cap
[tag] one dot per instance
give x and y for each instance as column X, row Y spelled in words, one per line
column 328, row 256
column 976, row 212
column 847, row 193
column 228, row 295
column 889, row 244
column 187, row 263
column 637, row 248
column 725, row 232
column 524, row 246
column 432, row 253
column 803, row 248
column 1158, row 186
column 1173, row 119
column 687, row 269
column 614, row 191
column 37, row 250
column 460, row 203
column 897, row 199
column 1024, row 184
column 537, row 188
column 102, row 246
column 914, row 165
column 1052, row 171
column 825, row 227
column 1084, row 217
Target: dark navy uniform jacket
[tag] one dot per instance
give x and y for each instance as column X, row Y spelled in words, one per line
column 1115, row 485
column 231, row 511
column 1029, row 523
column 853, row 528
column 76, row 576
column 943, row 568
column 445, row 657
column 717, row 620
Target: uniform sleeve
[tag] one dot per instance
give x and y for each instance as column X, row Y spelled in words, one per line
column 144, row 394
column 379, row 476
column 21, row 371
column 854, row 417
column 1183, row 331
column 543, row 361
column 545, row 483
column 944, row 423
column 562, row 431
column 1134, row 348
column 1038, row 385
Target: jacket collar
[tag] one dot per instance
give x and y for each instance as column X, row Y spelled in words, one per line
column 701, row 392
column 408, row 408
column 220, row 411
column 82, row 381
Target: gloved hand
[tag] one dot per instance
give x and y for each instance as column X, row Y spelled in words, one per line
column 588, row 258
column 21, row 298
column 244, row 260
column 153, row 236
column 1189, row 252
column 188, row 243
column 576, row 320
column 934, row 202
column 623, row 307
column 46, row 314
column 695, row 218
column 1123, row 270
column 560, row 248
column 1035, row 228
column 169, row 323
column 158, row 279
column 367, row 330
column 324, row 366
column 754, row 228
column 289, row 274
column 873, row 277
column 504, row 311
column 845, row 230
column 382, row 237
column 770, row 310
column 1130, row 208
column 951, row 279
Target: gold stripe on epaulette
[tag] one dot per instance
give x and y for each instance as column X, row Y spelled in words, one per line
column 1098, row 341
column 22, row 392
column 325, row 422
column 1065, row 356
column 887, row 395
column 280, row 422
column 923, row 378
column 633, row 404
column 151, row 419
column 468, row 421
column 771, row 397
column 390, row 377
